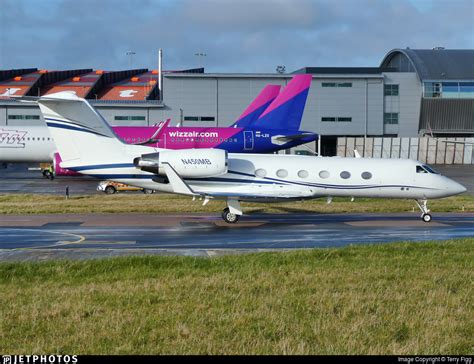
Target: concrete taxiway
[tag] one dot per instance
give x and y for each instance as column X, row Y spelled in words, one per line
column 38, row 237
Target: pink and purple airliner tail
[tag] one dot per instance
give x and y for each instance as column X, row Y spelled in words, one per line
column 257, row 107
column 286, row 111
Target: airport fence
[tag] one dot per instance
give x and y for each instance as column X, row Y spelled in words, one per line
column 425, row 149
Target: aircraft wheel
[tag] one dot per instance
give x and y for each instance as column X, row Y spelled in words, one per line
column 110, row 190
column 147, row 191
column 229, row 217
column 426, row 217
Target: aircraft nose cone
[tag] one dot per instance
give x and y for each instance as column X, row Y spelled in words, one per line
column 457, row 188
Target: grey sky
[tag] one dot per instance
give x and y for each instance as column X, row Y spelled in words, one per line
column 237, row 36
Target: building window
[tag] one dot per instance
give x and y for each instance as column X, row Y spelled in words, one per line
column 336, row 84
column 390, row 118
column 199, row 118
column 341, row 119
column 129, row 118
column 432, row 89
column 391, row 90
column 23, row 117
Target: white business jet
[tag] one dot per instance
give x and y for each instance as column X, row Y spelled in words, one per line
column 88, row 145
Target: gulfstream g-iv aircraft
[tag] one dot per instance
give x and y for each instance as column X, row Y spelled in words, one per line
column 88, row 145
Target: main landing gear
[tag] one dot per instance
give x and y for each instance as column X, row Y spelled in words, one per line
column 425, row 211
column 231, row 214
column 229, row 217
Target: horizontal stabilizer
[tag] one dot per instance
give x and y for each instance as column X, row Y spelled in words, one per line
column 294, row 137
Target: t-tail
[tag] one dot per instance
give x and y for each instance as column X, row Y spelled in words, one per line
column 80, row 133
column 257, row 107
column 286, row 111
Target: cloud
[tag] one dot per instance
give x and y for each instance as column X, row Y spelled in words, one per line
column 243, row 36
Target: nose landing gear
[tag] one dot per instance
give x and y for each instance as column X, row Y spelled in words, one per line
column 425, row 211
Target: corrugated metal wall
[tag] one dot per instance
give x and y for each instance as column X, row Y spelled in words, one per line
column 451, row 115
column 426, row 149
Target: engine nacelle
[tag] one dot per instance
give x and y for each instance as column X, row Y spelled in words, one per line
column 188, row 163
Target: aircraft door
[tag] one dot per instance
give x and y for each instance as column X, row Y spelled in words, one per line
column 248, row 140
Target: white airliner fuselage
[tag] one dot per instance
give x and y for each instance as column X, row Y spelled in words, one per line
column 26, row 144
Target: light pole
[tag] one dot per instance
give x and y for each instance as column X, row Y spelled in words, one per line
column 200, row 55
column 130, row 54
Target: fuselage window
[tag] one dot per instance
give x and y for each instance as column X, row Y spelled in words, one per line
column 420, row 169
column 345, row 175
column 366, row 175
column 261, row 172
column 282, row 173
column 324, row 174
column 303, row 174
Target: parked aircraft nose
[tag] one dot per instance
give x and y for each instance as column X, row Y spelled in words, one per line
column 455, row 188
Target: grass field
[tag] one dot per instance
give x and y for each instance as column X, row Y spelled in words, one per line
column 404, row 298
column 166, row 203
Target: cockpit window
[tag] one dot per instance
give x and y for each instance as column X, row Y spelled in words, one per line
column 425, row 169
column 420, row 169
column 429, row 169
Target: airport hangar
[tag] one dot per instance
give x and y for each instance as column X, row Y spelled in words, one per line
column 412, row 91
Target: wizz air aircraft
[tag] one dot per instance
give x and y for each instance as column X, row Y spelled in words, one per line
column 270, row 123
column 89, row 146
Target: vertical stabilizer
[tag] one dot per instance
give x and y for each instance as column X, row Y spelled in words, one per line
column 80, row 133
column 257, row 107
column 286, row 111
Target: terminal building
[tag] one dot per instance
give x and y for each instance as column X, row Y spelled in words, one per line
column 410, row 93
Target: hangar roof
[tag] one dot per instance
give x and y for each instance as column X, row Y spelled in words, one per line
column 434, row 64
column 80, row 84
column 139, row 87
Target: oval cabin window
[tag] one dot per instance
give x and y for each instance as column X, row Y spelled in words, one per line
column 345, row 175
column 366, row 175
column 282, row 173
column 303, row 174
column 324, row 174
column 260, row 172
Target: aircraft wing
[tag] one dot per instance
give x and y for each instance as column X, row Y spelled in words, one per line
column 181, row 187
